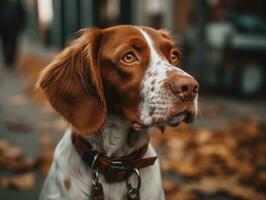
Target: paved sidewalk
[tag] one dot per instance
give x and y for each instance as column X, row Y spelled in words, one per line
column 20, row 110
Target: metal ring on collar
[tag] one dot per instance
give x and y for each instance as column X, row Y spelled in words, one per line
column 94, row 160
column 135, row 171
column 95, row 171
column 95, row 176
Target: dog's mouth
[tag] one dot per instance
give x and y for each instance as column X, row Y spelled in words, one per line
column 186, row 116
column 173, row 120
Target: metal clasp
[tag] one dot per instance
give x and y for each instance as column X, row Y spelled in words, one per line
column 95, row 169
column 97, row 189
column 112, row 170
column 133, row 192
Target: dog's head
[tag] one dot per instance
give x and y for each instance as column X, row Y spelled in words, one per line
column 124, row 70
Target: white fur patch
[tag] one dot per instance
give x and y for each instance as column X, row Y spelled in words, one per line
column 157, row 100
column 113, row 138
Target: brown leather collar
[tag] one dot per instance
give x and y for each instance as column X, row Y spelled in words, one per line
column 114, row 170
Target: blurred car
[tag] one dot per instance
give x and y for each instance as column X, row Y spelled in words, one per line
column 237, row 54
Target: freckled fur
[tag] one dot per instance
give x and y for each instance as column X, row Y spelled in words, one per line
column 157, row 96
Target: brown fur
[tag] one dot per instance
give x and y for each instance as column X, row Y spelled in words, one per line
column 88, row 79
column 164, row 44
column 72, row 84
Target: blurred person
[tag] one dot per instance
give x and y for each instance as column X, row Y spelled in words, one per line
column 12, row 21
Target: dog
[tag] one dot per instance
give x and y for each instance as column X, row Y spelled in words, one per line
column 111, row 85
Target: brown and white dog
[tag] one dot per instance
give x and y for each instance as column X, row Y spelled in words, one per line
column 105, row 83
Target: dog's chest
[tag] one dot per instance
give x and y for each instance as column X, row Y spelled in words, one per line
column 151, row 187
column 112, row 191
column 70, row 178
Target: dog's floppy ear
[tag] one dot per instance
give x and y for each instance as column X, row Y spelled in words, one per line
column 73, row 84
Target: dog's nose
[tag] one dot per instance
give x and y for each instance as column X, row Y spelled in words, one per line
column 185, row 87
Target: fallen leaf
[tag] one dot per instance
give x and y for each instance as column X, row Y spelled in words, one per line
column 21, row 182
column 4, row 144
column 60, row 125
column 17, row 100
column 18, row 125
column 12, row 153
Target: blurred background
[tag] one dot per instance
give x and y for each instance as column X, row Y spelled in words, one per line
column 222, row 156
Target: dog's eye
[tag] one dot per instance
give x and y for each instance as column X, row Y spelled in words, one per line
column 174, row 57
column 129, row 58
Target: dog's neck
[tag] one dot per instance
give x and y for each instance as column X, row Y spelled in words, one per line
column 114, row 139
